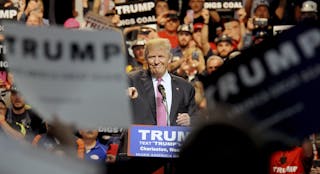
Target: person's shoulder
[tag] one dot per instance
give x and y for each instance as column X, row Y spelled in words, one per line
column 101, row 145
column 162, row 33
column 176, row 49
column 32, row 113
column 180, row 80
column 175, row 77
column 137, row 73
column 101, row 148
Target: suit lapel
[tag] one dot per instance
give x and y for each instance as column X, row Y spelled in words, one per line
column 175, row 96
column 149, row 92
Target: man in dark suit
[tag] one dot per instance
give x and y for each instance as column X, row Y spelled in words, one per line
column 143, row 90
column 179, row 102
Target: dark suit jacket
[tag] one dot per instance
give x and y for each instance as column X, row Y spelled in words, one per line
column 144, row 107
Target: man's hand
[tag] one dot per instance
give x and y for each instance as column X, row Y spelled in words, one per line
column 242, row 14
column 111, row 158
column 115, row 20
column 162, row 19
column 205, row 15
column 132, row 92
column 2, row 118
column 315, row 170
column 32, row 5
column 183, row 119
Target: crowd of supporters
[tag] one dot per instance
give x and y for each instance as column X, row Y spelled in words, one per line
column 202, row 41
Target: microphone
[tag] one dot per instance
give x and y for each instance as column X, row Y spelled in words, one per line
column 162, row 92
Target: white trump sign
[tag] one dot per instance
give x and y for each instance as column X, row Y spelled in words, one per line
column 77, row 75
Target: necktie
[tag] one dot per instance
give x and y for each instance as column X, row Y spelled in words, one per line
column 161, row 110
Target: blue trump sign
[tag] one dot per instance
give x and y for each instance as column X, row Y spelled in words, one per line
column 154, row 141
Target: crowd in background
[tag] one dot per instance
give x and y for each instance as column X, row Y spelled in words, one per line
column 202, row 41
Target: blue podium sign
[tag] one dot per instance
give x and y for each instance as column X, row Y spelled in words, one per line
column 155, row 141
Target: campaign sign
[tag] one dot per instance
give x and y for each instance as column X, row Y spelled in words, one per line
column 3, row 62
column 73, row 74
column 154, row 141
column 280, row 28
column 136, row 13
column 98, row 22
column 222, row 5
column 8, row 13
column 276, row 83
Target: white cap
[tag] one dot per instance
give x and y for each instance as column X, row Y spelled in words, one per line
column 185, row 27
column 138, row 43
column 151, row 26
column 260, row 3
column 309, row 6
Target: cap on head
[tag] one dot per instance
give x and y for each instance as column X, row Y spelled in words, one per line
column 14, row 89
column 173, row 16
column 309, row 6
column 71, row 23
column 261, row 3
column 197, row 26
column 223, row 38
column 146, row 29
column 138, row 43
column 186, row 28
column 149, row 26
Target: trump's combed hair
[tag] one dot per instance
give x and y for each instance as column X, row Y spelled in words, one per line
column 158, row 43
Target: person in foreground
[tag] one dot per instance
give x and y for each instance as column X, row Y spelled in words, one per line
column 152, row 88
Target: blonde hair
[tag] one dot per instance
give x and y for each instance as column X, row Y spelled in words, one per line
column 190, row 50
column 158, row 43
column 214, row 57
column 188, row 53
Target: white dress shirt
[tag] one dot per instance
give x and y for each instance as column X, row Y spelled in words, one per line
column 166, row 82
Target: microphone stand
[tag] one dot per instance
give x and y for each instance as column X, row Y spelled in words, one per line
column 164, row 101
column 168, row 165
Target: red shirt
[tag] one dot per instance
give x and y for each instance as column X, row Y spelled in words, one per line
column 287, row 162
column 173, row 38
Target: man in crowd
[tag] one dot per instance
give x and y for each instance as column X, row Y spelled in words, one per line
column 224, row 46
column 184, row 37
column 213, row 63
column 233, row 30
column 5, row 126
column 22, row 118
column 89, row 148
column 147, row 32
column 170, row 28
column 138, row 61
column 296, row 159
column 177, row 95
column 309, row 11
column 198, row 6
